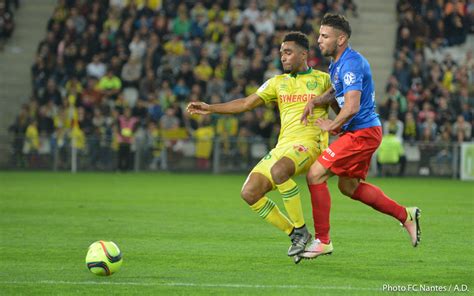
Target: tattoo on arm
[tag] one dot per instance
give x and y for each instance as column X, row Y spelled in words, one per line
column 326, row 98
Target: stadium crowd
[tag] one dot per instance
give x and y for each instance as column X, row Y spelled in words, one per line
column 107, row 71
column 430, row 94
column 7, row 20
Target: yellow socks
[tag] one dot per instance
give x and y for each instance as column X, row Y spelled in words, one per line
column 291, row 198
column 269, row 211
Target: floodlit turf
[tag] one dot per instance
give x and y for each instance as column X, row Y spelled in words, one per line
column 192, row 234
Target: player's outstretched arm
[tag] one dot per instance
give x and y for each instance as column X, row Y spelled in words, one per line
column 232, row 107
column 326, row 98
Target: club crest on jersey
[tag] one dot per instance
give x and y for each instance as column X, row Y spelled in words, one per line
column 300, row 148
column 311, row 84
column 349, row 78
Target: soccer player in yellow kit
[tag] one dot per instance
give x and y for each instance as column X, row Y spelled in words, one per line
column 298, row 145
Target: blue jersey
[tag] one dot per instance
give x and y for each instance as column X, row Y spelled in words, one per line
column 352, row 72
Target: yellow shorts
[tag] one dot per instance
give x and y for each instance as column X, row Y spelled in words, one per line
column 303, row 154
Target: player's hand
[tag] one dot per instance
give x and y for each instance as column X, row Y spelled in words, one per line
column 198, row 108
column 325, row 125
column 308, row 111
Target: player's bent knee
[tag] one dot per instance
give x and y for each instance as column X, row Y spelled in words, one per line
column 249, row 195
column 316, row 176
column 279, row 174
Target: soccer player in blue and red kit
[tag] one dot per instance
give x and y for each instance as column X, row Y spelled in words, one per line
column 360, row 134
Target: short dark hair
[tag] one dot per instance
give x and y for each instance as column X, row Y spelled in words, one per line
column 337, row 21
column 299, row 38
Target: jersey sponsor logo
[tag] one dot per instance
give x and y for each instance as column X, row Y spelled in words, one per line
column 330, row 152
column 283, row 86
column 264, row 86
column 312, row 84
column 296, row 98
column 349, row 78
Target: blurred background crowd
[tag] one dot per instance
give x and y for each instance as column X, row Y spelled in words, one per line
column 430, row 94
column 108, row 72
column 7, row 20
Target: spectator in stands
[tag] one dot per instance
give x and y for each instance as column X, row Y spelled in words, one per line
column 204, row 136
column 51, row 94
column 109, row 85
column 91, row 96
column 216, row 86
column 395, row 103
column 166, row 95
column 169, row 120
column 226, row 129
column 181, row 25
column 203, row 72
column 410, row 131
column 148, row 84
column 402, row 74
column 265, row 24
column 181, row 90
column 127, row 125
column 17, row 130
column 7, row 24
column 96, row 68
column 287, row 14
column 246, row 38
column 429, row 128
column 251, row 13
column 137, row 47
column 154, row 144
column 462, row 130
column 445, row 112
column 455, row 24
column 131, row 72
column 32, row 142
column 395, row 126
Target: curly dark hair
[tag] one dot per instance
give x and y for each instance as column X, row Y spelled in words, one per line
column 299, row 38
column 337, row 21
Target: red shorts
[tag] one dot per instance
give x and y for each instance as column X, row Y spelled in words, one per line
column 350, row 155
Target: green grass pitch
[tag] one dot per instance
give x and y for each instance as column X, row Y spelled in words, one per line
column 191, row 234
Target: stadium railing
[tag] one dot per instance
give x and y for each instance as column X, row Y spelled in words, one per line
column 217, row 155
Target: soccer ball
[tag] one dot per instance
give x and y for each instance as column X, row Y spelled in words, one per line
column 103, row 258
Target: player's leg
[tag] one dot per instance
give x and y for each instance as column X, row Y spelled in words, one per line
column 320, row 200
column 281, row 172
column 321, row 205
column 253, row 192
column 373, row 196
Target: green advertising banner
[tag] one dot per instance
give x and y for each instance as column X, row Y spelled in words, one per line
column 467, row 161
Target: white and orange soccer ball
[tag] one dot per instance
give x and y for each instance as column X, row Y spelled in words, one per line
column 104, row 258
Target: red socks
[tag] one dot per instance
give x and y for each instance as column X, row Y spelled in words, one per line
column 366, row 193
column 372, row 195
column 321, row 202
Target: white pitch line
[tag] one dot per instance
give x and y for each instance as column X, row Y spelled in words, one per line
column 177, row 284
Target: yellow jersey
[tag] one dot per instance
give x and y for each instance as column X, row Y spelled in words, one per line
column 292, row 92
